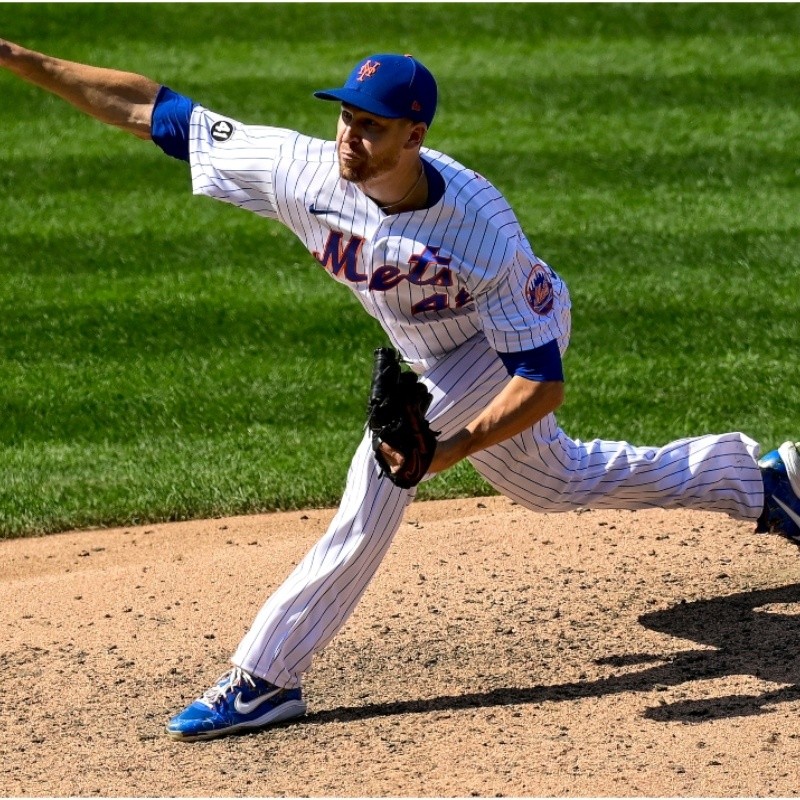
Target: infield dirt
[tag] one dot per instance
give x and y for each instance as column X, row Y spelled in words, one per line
column 497, row 652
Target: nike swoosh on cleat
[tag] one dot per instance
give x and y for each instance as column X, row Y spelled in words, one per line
column 791, row 514
column 245, row 707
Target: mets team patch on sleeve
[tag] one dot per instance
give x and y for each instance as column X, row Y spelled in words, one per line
column 539, row 290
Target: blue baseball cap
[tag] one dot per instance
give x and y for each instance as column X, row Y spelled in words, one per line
column 389, row 85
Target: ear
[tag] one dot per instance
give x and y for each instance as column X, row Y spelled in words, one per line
column 416, row 135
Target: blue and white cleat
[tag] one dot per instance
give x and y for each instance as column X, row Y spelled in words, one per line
column 780, row 470
column 238, row 702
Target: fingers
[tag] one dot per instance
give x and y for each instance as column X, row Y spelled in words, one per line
column 393, row 458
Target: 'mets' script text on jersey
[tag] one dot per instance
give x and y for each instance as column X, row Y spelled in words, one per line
column 433, row 278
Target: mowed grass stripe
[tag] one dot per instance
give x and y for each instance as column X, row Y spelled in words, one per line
column 165, row 357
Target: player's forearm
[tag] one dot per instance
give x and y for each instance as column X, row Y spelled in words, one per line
column 519, row 406
column 122, row 99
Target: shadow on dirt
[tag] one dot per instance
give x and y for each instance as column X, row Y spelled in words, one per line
column 747, row 638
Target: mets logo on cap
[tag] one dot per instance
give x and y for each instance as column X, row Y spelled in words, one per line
column 368, row 69
column 539, row 290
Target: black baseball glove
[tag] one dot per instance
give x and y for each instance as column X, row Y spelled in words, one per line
column 398, row 401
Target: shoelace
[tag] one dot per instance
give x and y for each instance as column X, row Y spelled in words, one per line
column 235, row 678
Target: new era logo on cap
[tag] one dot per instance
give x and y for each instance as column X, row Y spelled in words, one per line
column 389, row 85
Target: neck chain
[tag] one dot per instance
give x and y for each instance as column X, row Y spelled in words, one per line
column 408, row 193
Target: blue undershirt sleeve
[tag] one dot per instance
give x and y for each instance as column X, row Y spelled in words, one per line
column 540, row 364
column 169, row 127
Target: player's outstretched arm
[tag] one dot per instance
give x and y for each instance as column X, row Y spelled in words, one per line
column 122, row 99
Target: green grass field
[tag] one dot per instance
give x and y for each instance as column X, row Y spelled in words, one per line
column 168, row 357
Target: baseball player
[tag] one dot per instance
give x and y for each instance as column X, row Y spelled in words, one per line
column 433, row 252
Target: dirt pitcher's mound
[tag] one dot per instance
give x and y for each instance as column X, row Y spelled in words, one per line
column 497, row 652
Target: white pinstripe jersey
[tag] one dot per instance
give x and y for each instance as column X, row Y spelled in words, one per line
column 433, row 278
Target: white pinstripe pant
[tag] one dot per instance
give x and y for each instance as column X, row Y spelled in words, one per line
column 541, row 468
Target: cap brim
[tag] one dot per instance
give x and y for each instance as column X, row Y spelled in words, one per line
column 359, row 100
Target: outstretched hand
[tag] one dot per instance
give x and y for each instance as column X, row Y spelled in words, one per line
column 122, row 99
column 5, row 52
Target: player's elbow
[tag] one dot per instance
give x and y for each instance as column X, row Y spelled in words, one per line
column 555, row 395
column 138, row 120
column 537, row 398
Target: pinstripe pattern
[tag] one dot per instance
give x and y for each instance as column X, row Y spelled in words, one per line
column 307, row 611
column 542, row 469
column 281, row 174
column 451, row 285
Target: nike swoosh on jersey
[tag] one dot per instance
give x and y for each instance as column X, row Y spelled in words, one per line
column 788, row 511
column 245, row 707
column 317, row 212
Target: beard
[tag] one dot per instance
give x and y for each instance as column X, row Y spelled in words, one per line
column 364, row 168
